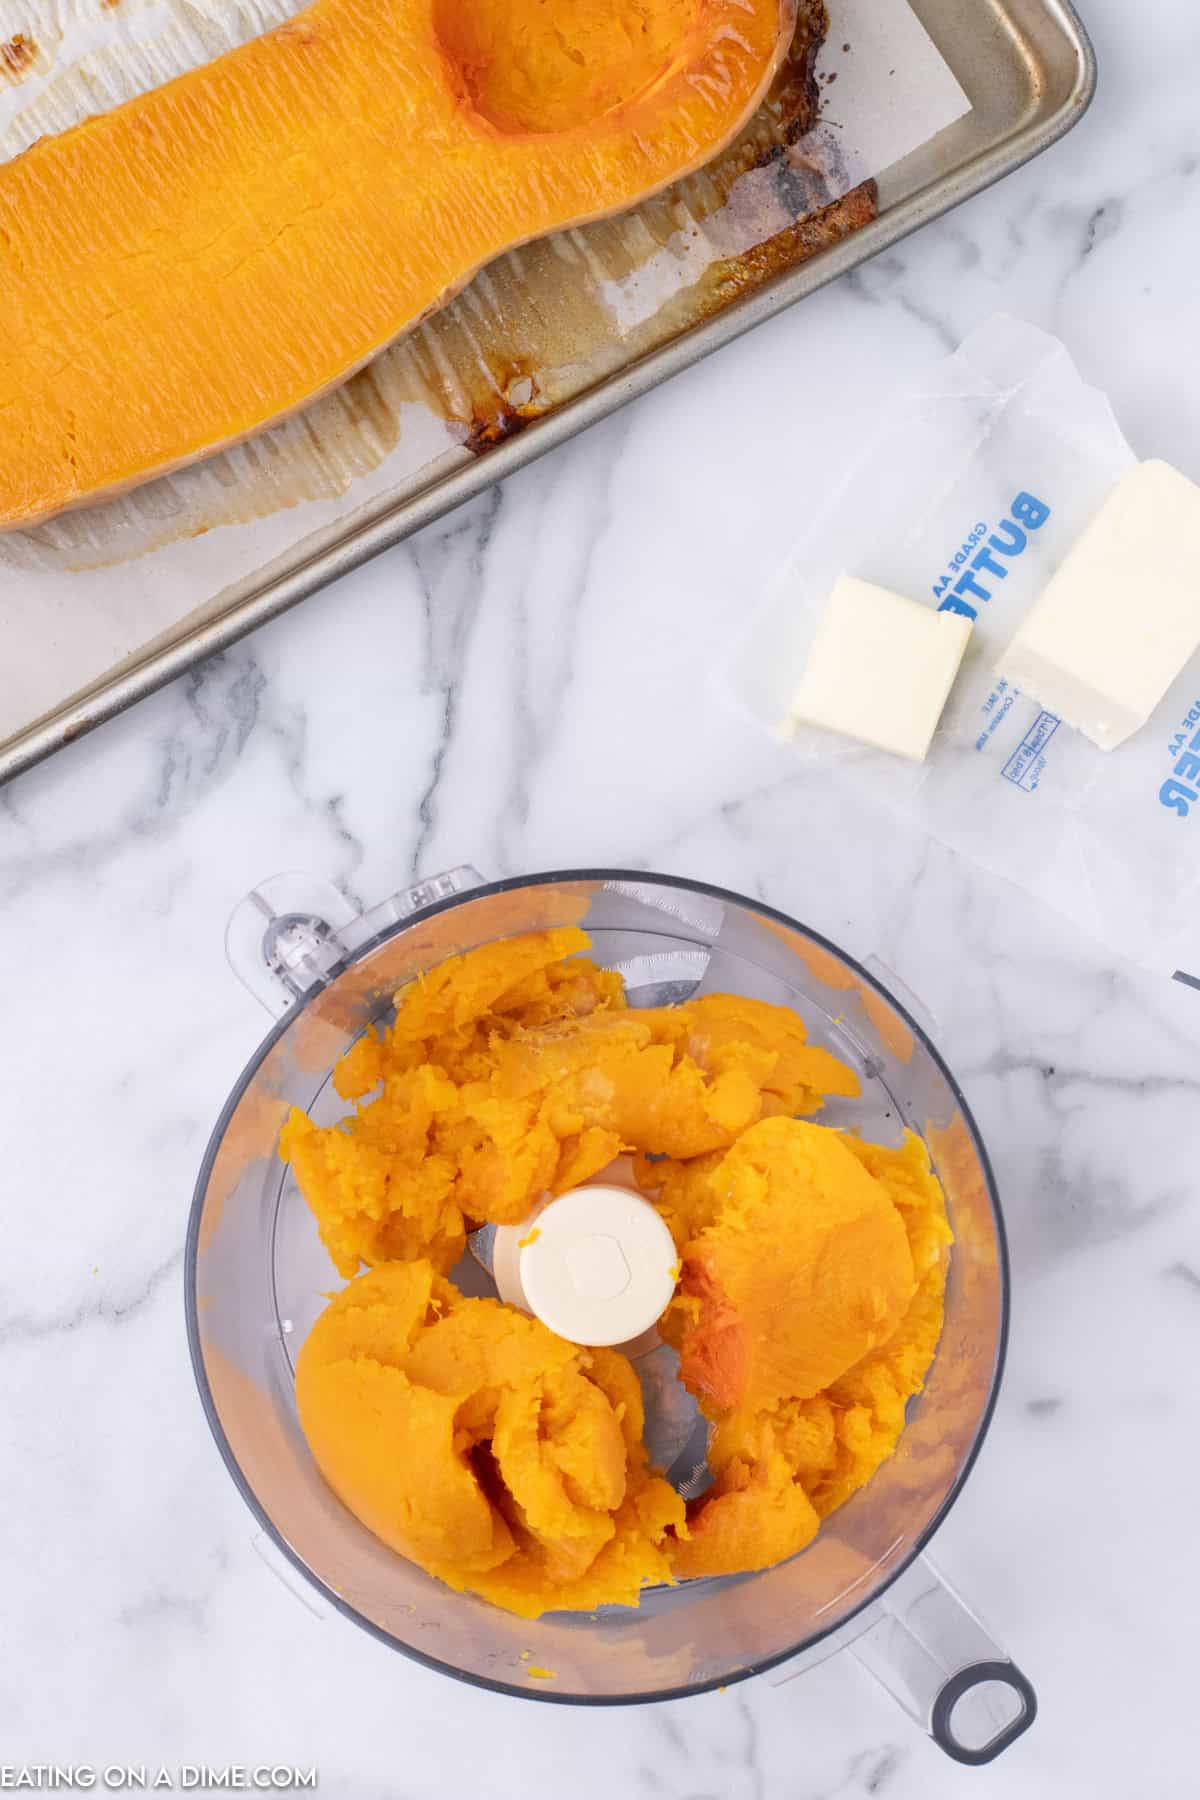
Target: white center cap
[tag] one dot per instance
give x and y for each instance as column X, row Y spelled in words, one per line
column 597, row 1267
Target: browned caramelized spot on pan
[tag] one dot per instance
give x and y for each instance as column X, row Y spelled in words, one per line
column 494, row 420
column 792, row 106
column 495, row 425
column 500, row 414
column 737, row 275
column 17, row 55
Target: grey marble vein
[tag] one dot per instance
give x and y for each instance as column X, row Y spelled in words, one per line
column 450, row 562
column 106, row 1309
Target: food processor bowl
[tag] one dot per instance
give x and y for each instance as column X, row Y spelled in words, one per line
column 257, row 1277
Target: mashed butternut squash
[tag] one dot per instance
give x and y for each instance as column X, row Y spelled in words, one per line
column 509, row 1462
column 517, row 1069
column 471, row 1439
column 809, row 1309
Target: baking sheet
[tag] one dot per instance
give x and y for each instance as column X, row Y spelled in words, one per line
column 534, row 328
column 1027, row 68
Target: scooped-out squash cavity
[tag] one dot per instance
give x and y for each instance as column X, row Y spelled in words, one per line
column 182, row 271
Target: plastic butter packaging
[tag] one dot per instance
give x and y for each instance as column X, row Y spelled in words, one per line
column 977, row 490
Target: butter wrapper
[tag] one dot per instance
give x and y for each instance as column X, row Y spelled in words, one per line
column 969, row 496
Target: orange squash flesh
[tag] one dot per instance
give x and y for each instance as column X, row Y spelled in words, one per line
column 471, row 1439
column 511, row 1463
column 194, row 265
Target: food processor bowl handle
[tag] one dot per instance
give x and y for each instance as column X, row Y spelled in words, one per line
column 291, row 933
column 928, row 1649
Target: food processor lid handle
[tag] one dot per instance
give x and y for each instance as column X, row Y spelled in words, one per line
column 290, row 934
column 933, row 1655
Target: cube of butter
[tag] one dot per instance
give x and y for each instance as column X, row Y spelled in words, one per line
column 1121, row 617
column 880, row 668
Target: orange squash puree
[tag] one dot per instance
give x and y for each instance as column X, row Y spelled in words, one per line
column 471, row 1439
column 509, row 1462
column 809, row 1310
column 516, row 1069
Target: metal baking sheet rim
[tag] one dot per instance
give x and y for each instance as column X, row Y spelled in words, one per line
column 265, row 594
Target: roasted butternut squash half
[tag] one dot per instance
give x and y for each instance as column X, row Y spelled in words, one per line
column 188, row 268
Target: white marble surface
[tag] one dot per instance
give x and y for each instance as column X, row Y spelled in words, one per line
column 522, row 687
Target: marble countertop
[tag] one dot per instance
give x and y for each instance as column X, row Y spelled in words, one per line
column 522, row 687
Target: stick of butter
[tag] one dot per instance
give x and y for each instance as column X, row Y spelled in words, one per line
column 880, row 668
column 1121, row 617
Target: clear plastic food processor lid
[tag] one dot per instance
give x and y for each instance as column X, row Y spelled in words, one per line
column 258, row 1275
